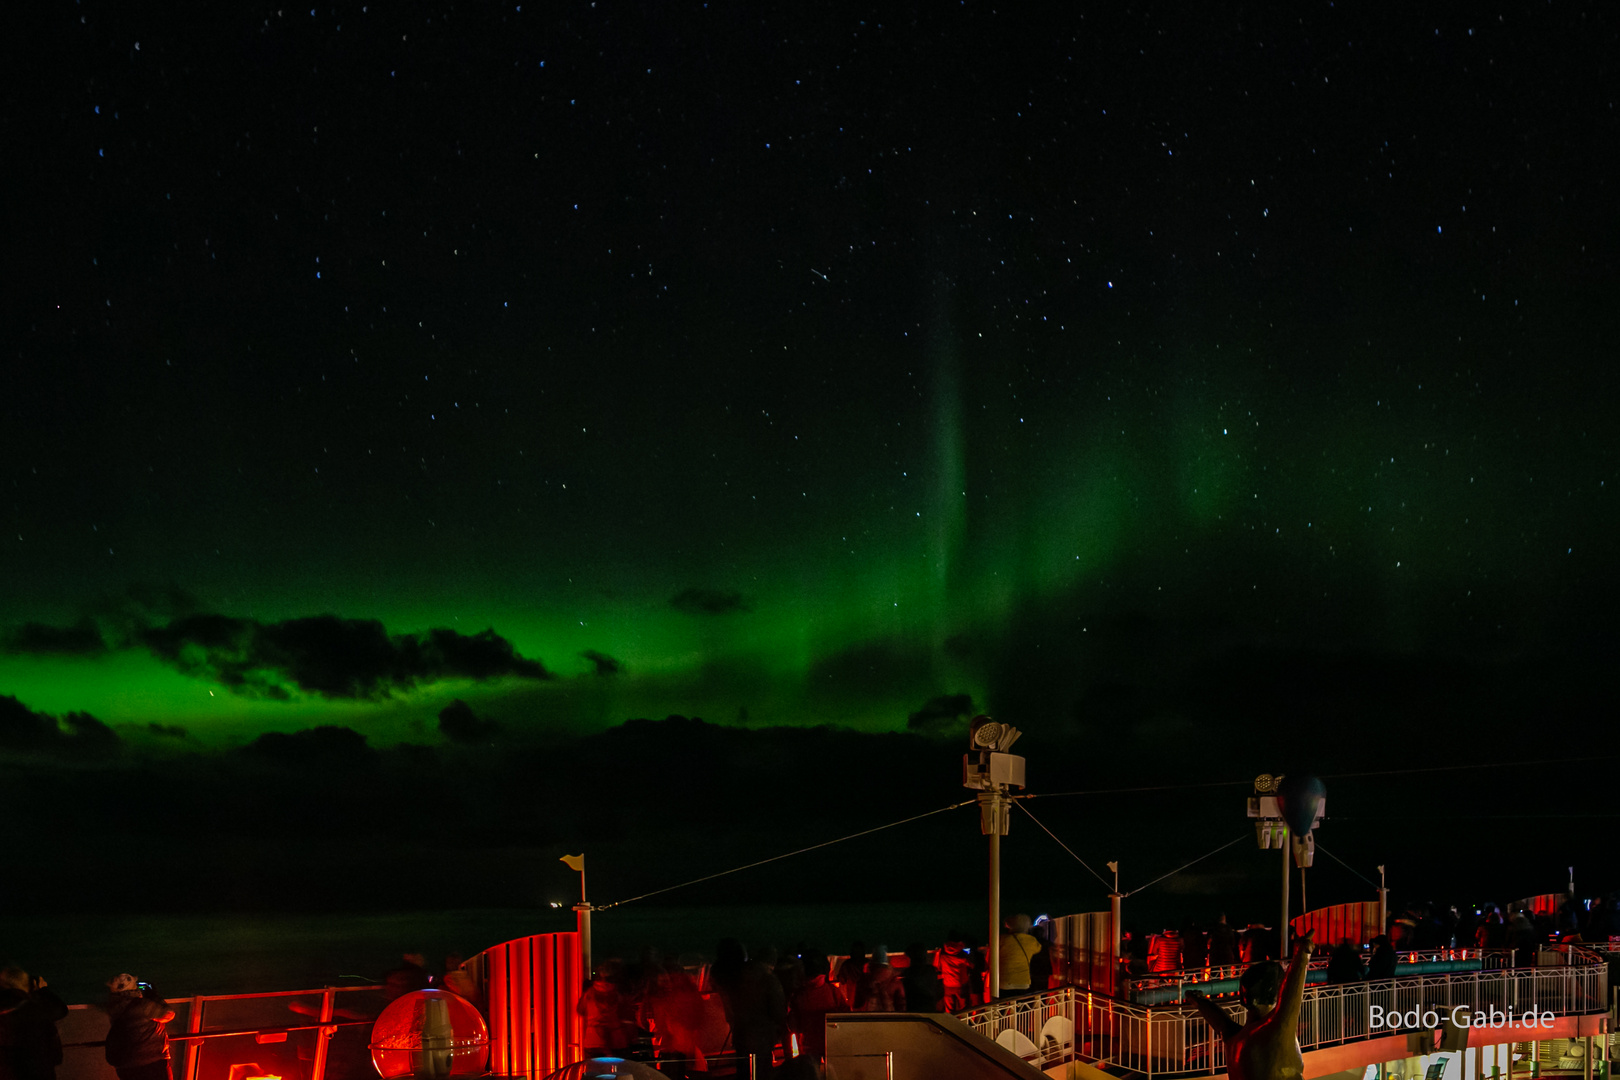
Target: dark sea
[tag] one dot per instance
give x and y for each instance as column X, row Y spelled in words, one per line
column 182, row 955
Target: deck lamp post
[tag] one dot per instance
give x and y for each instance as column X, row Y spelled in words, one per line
column 1383, row 903
column 1286, row 811
column 582, row 914
column 990, row 770
column 1113, row 927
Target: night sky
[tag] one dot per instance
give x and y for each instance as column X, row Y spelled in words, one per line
column 473, row 379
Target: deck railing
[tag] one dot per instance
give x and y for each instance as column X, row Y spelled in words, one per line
column 1066, row 1024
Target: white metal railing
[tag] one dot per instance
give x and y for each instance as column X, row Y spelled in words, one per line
column 1032, row 1016
column 1065, row 1024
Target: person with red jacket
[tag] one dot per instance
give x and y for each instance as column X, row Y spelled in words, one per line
column 807, row 1014
column 604, row 1008
column 956, row 972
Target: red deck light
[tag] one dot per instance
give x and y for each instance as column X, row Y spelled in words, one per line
column 429, row 1035
column 250, row 1070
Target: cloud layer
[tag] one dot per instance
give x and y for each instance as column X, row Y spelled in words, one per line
column 458, row 723
column 605, row 665
column 328, row 656
column 76, row 734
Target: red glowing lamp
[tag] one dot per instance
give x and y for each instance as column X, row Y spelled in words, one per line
column 429, row 1035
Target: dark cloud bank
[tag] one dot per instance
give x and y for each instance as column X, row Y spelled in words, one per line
column 603, row 664
column 75, row 735
column 323, row 655
column 329, row 656
column 458, row 723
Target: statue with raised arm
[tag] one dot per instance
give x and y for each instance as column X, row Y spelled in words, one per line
column 1266, row 1047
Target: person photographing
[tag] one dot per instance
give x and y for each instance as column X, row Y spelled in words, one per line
column 137, row 1040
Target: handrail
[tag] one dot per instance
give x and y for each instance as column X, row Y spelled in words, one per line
column 1151, row 986
column 260, row 994
column 199, row 1035
column 1319, row 961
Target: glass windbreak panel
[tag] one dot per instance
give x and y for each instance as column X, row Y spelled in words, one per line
column 243, row 1057
column 348, row 1056
column 358, row 1003
column 282, row 1010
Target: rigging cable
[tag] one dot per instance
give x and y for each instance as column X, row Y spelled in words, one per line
column 785, row 855
column 1179, row 869
column 1062, row 845
column 1329, row 776
column 1346, row 865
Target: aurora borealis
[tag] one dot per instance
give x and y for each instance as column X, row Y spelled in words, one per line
column 848, row 607
column 795, row 367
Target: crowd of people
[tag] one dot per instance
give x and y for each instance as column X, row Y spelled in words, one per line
column 766, row 1006
column 772, row 1007
column 1418, row 927
column 1501, row 926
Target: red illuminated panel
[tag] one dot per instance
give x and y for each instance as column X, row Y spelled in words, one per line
column 1545, row 904
column 1082, row 951
column 531, row 987
column 1357, row 923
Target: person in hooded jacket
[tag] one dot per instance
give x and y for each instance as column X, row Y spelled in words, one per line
column 924, row 991
column 137, row 1041
column 1522, row 937
column 1381, row 965
column 880, row 988
column 1344, row 964
column 30, row 1045
column 1223, row 944
column 753, row 1000
column 956, row 973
